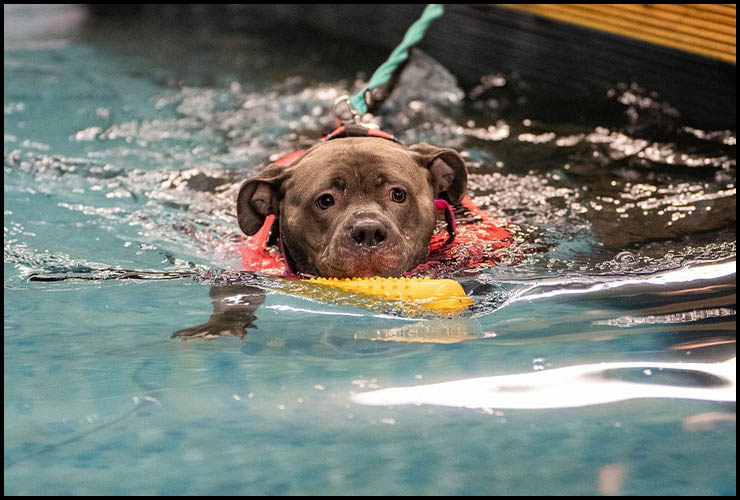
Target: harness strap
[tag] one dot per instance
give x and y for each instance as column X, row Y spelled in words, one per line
column 354, row 130
column 289, row 265
column 440, row 204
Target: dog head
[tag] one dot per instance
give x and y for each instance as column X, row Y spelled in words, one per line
column 356, row 206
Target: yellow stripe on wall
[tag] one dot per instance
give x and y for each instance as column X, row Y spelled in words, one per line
column 708, row 30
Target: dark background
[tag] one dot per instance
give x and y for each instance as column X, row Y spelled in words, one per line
column 561, row 63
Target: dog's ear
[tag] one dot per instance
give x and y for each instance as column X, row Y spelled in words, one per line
column 447, row 167
column 259, row 197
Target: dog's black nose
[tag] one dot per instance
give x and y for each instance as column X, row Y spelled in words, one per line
column 368, row 233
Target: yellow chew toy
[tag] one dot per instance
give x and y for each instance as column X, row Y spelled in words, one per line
column 443, row 295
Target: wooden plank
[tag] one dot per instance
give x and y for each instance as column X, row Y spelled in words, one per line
column 676, row 26
column 721, row 9
column 649, row 24
column 696, row 12
column 606, row 22
column 666, row 19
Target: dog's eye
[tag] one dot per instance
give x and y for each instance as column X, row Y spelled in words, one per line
column 398, row 195
column 325, row 201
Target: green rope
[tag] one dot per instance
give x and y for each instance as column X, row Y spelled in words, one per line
column 384, row 72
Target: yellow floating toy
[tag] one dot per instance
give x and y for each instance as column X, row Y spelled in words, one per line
column 444, row 296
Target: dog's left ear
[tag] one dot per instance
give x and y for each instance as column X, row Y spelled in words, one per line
column 259, row 197
column 447, row 167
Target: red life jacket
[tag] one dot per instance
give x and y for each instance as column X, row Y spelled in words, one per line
column 472, row 240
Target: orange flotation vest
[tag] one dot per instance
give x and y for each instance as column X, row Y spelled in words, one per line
column 470, row 242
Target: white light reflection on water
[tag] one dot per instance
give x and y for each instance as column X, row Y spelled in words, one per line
column 681, row 317
column 286, row 308
column 683, row 275
column 573, row 386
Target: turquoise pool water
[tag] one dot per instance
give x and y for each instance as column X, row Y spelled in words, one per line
column 601, row 363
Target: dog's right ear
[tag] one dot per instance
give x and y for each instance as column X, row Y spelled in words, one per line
column 259, row 197
column 447, row 168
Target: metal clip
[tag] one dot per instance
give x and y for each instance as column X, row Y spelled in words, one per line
column 345, row 113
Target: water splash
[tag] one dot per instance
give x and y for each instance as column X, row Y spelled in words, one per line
column 634, row 191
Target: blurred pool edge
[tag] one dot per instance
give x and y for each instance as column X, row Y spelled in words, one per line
column 558, row 60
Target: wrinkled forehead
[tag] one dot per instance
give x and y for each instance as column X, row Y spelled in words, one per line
column 355, row 162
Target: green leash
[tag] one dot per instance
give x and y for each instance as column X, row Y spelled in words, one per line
column 381, row 83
